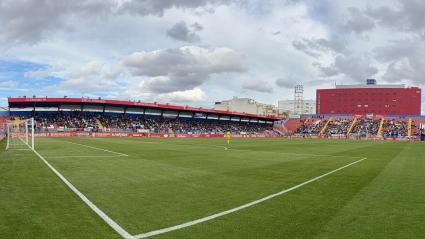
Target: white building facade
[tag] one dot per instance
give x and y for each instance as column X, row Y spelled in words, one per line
column 288, row 106
column 247, row 105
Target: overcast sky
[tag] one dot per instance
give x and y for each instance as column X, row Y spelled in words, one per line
column 200, row 51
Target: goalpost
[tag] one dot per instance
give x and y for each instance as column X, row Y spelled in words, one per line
column 20, row 134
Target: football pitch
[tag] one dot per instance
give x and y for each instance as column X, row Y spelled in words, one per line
column 195, row 188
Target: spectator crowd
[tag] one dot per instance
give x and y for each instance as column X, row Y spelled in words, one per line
column 310, row 126
column 363, row 127
column 395, row 129
column 85, row 121
column 366, row 127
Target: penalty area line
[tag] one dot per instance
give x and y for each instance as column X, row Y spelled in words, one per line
column 220, row 214
column 117, row 228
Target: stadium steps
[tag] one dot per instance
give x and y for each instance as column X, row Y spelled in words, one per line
column 99, row 124
column 281, row 129
column 409, row 128
column 326, row 125
column 381, row 126
column 292, row 125
column 352, row 125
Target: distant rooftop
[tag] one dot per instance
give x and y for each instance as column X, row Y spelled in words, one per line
column 370, row 86
column 370, row 83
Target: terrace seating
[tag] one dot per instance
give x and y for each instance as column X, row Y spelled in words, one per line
column 84, row 121
column 366, row 127
column 394, row 128
column 338, row 127
column 311, row 126
column 362, row 127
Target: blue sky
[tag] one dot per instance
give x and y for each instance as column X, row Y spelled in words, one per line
column 14, row 82
column 199, row 52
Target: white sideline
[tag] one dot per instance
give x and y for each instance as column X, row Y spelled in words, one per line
column 99, row 212
column 88, row 146
column 204, row 219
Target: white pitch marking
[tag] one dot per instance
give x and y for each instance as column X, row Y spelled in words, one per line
column 107, row 156
column 129, row 141
column 19, row 149
column 99, row 212
column 204, row 219
column 105, row 150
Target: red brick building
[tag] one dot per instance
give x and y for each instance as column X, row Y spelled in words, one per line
column 370, row 98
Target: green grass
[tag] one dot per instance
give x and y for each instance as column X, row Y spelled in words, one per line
column 165, row 182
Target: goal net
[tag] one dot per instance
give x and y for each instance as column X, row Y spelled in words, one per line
column 20, row 134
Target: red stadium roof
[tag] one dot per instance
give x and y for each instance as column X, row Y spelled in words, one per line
column 23, row 100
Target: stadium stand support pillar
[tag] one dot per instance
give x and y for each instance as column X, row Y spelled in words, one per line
column 409, row 128
column 381, row 125
column 352, row 125
column 326, row 125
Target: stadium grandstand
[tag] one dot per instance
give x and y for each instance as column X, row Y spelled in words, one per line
column 98, row 117
column 364, row 111
column 357, row 127
column 84, row 116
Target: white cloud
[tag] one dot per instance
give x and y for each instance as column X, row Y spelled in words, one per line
column 259, row 86
column 183, row 68
column 288, row 83
column 30, row 21
column 181, row 32
column 248, row 48
column 194, row 95
column 8, row 84
column 356, row 68
column 358, row 21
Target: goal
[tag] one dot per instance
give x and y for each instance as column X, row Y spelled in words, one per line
column 20, row 134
